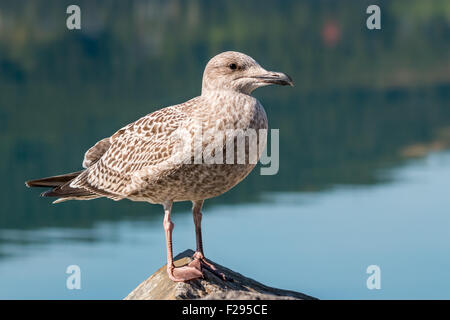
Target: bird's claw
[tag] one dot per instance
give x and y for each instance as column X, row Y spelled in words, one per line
column 199, row 261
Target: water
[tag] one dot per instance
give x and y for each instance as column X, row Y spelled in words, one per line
column 319, row 243
column 364, row 144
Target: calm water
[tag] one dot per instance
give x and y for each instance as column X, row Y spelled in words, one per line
column 323, row 242
column 364, row 140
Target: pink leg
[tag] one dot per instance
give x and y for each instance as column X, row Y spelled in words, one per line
column 182, row 273
column 199, row 258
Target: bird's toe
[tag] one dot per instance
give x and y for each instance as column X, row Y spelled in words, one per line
column 199, row 262
column 185, row 273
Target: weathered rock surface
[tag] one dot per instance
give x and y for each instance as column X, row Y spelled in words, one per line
column 159, row 287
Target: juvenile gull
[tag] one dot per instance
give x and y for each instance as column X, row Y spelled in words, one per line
column 143, row 161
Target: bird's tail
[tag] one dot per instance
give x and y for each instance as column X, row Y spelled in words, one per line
column 54, row 181
column 60, row 187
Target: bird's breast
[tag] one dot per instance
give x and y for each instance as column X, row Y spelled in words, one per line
column 232, row 111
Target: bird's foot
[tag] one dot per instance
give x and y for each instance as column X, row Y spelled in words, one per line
column 200, row 262
column 186, row 273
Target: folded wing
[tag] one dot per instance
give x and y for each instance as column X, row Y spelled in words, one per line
column 117, row 165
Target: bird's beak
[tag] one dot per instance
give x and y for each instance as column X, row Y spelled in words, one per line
column 272, row 77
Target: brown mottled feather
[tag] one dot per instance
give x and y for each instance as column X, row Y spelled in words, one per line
column 94, row 153
column 141, row 161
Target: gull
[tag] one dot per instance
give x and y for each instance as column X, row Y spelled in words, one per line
column 149, row 160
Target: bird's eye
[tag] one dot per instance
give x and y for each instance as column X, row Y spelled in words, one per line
column 232, row 66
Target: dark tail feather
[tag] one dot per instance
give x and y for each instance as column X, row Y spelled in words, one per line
column 54, row 181
column 66, row 192
column 61, row 187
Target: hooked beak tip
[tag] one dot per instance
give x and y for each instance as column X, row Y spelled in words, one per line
column 277, row 78
column 289, row 80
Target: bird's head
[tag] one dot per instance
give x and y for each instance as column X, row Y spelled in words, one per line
column 238, row 72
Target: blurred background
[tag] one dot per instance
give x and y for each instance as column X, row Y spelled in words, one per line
column 364, row 139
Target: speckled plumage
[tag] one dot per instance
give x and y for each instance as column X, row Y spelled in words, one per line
column 143, row 161
column 171, row 154
column 137, row 161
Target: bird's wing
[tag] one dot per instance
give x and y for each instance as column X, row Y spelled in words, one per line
column 95, row 152
column 135, row 152
column 98, row 150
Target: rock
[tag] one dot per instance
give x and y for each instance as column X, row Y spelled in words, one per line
column 159, row 287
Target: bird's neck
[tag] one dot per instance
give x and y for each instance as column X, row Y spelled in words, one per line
column 223, row 95
column 234, row 109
